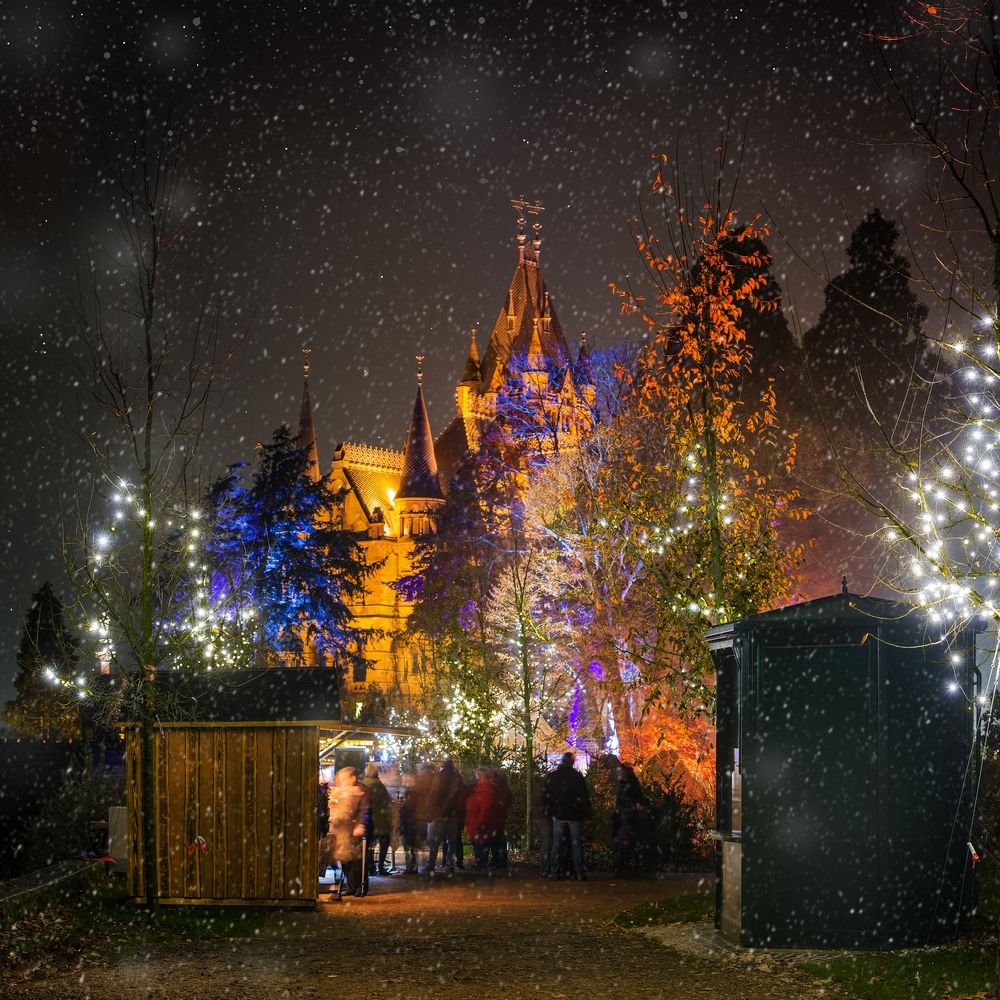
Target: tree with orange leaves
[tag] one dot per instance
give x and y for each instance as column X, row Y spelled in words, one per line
column 703, row 490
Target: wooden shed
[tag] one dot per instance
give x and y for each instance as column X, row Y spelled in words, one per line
column 236, row 791
column 235, row 813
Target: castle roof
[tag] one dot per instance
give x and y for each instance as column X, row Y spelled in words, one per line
column 452, row 449
column 527, row 300
column 373, row 474
column 419, row 479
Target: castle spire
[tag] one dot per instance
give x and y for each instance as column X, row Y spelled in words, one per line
column 583, row 373
column 419, row 478
column 306, row 436
column 472, row 372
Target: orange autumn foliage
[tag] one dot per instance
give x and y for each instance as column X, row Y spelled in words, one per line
column 706, row 484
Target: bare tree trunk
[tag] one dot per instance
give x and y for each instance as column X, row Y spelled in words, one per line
column 529, row 740
column 148, row 805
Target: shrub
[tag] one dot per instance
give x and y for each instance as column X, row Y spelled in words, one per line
column 64, row 828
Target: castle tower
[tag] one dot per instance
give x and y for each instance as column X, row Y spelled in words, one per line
column 583, row 372
column 306, row 436
column 471, row 377
column 419, row 497
column 527, row 342
column 527, row 301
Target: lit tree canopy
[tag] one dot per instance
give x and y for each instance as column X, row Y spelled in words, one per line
column 703, row 499
column 272, row 543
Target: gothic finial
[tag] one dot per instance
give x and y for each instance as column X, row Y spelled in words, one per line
column 843, row 584
column 306, row 351
column 532, row 208
column 420, row 369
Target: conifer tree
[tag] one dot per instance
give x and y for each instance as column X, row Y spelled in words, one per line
column 866, row 344
column 864, row 360
column 47, row 702
column 273, row 543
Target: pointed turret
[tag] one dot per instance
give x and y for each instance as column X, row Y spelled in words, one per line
column 419, row 479
column 472, row 372
column 306, row 436
column 583, row 372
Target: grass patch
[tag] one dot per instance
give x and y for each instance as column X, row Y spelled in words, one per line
column 952, row 972
column 101, row 925
column 963, row 970
column 696, row 908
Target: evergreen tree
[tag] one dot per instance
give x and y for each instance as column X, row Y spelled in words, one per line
column 47, row 699
column 865, row 366
column 865, row 347
column 273, row 542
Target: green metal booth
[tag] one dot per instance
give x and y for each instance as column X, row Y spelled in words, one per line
column 846, row 760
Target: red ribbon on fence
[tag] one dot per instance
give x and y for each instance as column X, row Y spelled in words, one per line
column 198, row 842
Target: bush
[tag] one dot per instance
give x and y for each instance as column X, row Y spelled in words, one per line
column 64, row 828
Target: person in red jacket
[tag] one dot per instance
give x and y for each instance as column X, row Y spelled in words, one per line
column 486, row 818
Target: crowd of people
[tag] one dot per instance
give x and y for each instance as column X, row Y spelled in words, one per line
column 363, row 825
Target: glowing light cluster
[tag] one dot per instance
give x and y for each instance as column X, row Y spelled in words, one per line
column 947, row 526
column 199, row 622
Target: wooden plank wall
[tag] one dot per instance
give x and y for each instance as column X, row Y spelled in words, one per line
column 250, row 793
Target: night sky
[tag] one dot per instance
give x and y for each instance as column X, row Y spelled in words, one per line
column 346, row 179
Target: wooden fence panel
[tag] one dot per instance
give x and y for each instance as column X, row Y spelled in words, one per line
column 249, row 793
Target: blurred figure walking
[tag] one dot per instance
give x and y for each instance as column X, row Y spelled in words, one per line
column 350, row 822
column 486, row 819
column 627, row 821
column 570, row 803
column 381, row 819
column 444, row 808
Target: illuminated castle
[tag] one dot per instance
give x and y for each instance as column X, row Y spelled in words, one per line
column 394, row 497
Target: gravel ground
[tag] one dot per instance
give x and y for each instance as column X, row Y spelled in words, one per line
column 458, row 938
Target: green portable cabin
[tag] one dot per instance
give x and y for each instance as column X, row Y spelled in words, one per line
column 846, row 759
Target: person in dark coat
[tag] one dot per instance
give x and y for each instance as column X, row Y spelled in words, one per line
column 444, row 808
column 381, row 819
column 569, row 799
column 628, row 820
column 408, row 831
column 459, row 848
column 505, row 798
column 323, row 825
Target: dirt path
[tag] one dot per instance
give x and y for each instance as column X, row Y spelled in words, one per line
column 457, row 938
